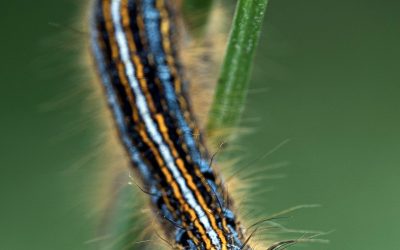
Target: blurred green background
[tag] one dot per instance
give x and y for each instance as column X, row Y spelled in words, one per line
column 326, row 77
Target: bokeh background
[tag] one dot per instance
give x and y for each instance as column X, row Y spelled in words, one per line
column 326, row 78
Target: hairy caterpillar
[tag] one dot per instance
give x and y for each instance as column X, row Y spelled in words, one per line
column 135, row 48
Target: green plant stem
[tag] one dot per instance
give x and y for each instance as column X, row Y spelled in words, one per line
column 231, row 91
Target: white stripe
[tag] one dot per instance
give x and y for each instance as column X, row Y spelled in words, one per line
column 135, row 156
column 152, row 128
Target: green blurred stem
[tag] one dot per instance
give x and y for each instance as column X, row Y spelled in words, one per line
column 231, row 91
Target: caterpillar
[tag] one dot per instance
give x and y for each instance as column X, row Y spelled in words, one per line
column 135, row 49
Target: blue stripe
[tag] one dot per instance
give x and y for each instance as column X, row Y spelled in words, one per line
column 152, row 28
column 152, row 19
column 112, row 101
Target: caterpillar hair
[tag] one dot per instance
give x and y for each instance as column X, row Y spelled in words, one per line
column 135, row 47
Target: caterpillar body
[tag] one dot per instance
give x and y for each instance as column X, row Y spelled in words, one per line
column 134, row 45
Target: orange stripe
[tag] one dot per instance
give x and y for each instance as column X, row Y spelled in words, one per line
column 189, row 178
column 165, row 27
column 138, row 65
column 164, row 196
column 140, row 76
column 115, row 56
column 136, row 60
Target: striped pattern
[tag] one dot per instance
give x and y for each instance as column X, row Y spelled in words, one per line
column 133, row 42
